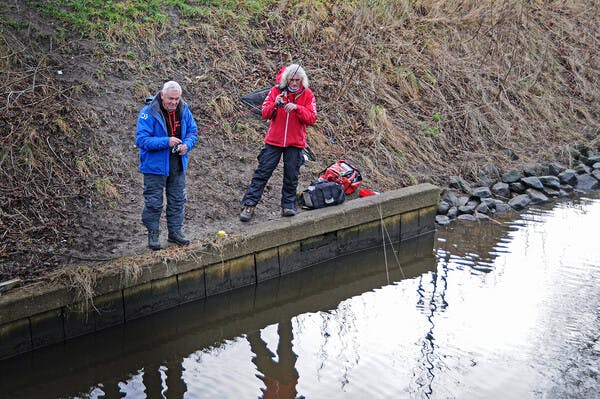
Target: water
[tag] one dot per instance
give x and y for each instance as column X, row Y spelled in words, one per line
column 502, row 309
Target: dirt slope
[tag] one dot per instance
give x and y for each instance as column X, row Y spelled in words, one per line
column 408, row 91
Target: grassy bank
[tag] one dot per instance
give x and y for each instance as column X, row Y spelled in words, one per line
column 409, row 91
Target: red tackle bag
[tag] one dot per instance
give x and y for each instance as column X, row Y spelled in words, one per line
column 342, row 172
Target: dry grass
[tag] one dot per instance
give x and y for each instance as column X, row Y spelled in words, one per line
column 81, row 281
column 408, row 90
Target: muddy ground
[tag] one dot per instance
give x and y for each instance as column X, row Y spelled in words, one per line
column 217, row 177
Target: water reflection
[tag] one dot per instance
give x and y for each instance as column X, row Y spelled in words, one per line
column 188, row 351
column 503, row 309
column 432, row 300
column 279, row 375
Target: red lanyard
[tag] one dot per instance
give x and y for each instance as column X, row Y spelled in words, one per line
column 173, row 122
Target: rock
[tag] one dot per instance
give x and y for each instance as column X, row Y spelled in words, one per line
column 503, row 208
column 490, row 171
column 469, row 207
column 442, row 220
column 488, row 175
column 517, row 187
column 568, row 176
column 450, row 197
column 483, row 208
column 519, row 202
column 443, row 208
column 550, row 191
column 593, row 160
column 485, row 181
column 490, row 202
column 550, row 181
column 567, row 187
column 582, row 169
column 501, row 189
column 555, row 168
column 452, row 212
column 462, row 201
column 482, row 217
column 459, row 183
column 512, row 176
column 537, row 197
column 481, row 192
column 533, row 182
column 536, row 170
column 467, row 217
column 587, row 183
column 564, row 194
column 529, row 171
column 596, row 166
column 596, row 174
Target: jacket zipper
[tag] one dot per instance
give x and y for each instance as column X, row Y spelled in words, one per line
column 287, row 118
column 164, row 125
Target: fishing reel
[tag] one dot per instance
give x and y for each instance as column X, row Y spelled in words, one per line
column 284, row 91
column 176, row 149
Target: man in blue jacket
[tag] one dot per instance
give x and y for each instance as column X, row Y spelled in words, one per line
column 165, row 133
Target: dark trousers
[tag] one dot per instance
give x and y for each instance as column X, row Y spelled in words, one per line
column 268, row 159
column 154, row 188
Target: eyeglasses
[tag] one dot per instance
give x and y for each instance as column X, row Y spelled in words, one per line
column 295, row 80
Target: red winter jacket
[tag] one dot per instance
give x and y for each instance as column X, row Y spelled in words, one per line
column 289, row 129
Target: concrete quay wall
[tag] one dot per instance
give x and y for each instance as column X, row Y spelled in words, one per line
column 35, row 316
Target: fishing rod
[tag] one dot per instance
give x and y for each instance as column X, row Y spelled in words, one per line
column 284, row 89
column 229, row 118
column 308, row 153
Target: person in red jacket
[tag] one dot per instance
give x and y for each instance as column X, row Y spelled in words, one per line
column 290, row 106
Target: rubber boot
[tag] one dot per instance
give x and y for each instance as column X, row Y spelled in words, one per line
column 153, row 240
column 247, row 213
column 178, row 238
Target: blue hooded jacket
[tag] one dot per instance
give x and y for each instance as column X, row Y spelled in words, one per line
column 152, row 138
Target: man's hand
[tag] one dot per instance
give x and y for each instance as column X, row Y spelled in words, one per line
column 173, row 141
column 279, row 101
column 289, row 107
column 184, row 149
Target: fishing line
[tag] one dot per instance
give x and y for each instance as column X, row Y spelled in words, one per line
column 384, row 233
column 239, row 114
column 228, row 119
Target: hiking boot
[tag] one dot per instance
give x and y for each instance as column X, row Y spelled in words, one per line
column 178, row 238
column 247, row 213
column 287, row 212
column 153, row 241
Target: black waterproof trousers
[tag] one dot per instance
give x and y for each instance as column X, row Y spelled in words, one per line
column 268, row 159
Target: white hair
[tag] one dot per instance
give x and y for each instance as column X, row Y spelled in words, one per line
column 171, row 85
column 290, row 71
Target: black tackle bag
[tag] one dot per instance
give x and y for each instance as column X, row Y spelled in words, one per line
column 321, row 194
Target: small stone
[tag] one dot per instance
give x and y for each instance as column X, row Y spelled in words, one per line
column 512, row 177
column 469, row 218
column 533, row 182
column 537, row 197
column 519, row 202
column 481, row 192
column 442, row 220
